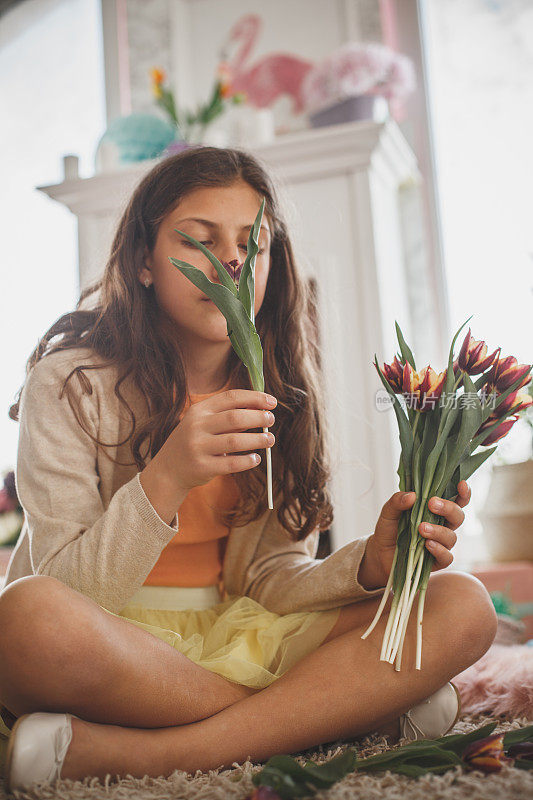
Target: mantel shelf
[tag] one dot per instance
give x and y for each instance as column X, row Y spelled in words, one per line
column 301, row 155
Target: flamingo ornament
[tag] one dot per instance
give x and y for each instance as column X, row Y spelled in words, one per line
column 271, row 76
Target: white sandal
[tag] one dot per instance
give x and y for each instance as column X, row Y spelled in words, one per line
column 433, row 717
column 37, row 748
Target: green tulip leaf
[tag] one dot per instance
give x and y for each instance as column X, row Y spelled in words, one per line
column 458, row 741
column 472, row 463
column 237, row 305
column 246, row 291
column 459, row 444
column 434, row 456
column 323, row 775
column 221, row 272
column 450, row 377
column 518, row 736
column 407, row 355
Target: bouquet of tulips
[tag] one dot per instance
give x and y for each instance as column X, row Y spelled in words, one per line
column 235, row 298
column 440, row 431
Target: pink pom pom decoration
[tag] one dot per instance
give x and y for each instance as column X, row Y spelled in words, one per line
column 358, row 69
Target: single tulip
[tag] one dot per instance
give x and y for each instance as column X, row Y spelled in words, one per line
column 394, row 374
column 506, row 371
column 473, row 356
column 515, row 402
column 499, row 432
column 238, row 306
column 422, row 389
column 234, row 269
column 486, row 754
column 430, row 388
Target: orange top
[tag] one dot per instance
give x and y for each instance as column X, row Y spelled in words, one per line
column 194, row 556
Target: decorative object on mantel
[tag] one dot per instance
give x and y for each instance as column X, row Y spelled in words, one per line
column 133, row 138
column 269, row 77
column 507, row 516
column 11, row 514
column 191, row 127
column 355, row 82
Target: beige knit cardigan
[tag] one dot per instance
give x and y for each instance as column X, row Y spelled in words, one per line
column 89, row 523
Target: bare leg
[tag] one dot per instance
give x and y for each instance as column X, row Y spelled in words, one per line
column 341, row 690
column 61, row 652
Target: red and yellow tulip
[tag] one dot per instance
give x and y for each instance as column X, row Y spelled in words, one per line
column 497, row 433
column 506, row 371
column 234, row 269
column 515, row 402
column 487, row 754
column 473, row 356
column 394, row 374
column 422, row 389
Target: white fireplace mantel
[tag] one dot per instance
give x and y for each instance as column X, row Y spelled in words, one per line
column 340, row 187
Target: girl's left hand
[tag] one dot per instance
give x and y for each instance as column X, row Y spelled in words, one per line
column 440, row 539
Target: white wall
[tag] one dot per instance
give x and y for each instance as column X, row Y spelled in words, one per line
column 481, row 58
column 51, row 85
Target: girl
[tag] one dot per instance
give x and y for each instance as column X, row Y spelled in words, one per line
column 156, row 613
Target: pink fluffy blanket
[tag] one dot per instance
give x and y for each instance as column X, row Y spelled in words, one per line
column 501, row 682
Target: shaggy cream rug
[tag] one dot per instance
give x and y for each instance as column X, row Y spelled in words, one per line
column 236, row 784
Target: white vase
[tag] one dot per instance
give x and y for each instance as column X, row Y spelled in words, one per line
column 507, row 517
column 249, row 126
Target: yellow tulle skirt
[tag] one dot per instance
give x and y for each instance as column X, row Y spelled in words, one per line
column 237, row 638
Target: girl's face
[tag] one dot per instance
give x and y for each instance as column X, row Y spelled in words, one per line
column 220, row 218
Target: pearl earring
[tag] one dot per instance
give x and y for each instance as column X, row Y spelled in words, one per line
column 147, row 282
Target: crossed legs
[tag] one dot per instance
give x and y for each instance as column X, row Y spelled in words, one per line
column 121, row 680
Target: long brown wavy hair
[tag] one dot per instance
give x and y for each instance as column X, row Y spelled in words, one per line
column 124, row 327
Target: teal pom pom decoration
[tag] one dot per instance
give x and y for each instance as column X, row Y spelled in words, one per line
column 134, row 138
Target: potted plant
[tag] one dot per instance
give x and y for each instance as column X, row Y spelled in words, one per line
column 507, row 516
column 356, row 82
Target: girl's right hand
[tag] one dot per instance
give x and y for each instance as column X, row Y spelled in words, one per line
column 212, row 431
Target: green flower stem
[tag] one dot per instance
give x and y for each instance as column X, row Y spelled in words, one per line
column 405, row 593
column 406, row 608
column 383, row 599
column 417, row 419
column 420, row 614
column 398, row 617
column 392, row 623
column 384, row 644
